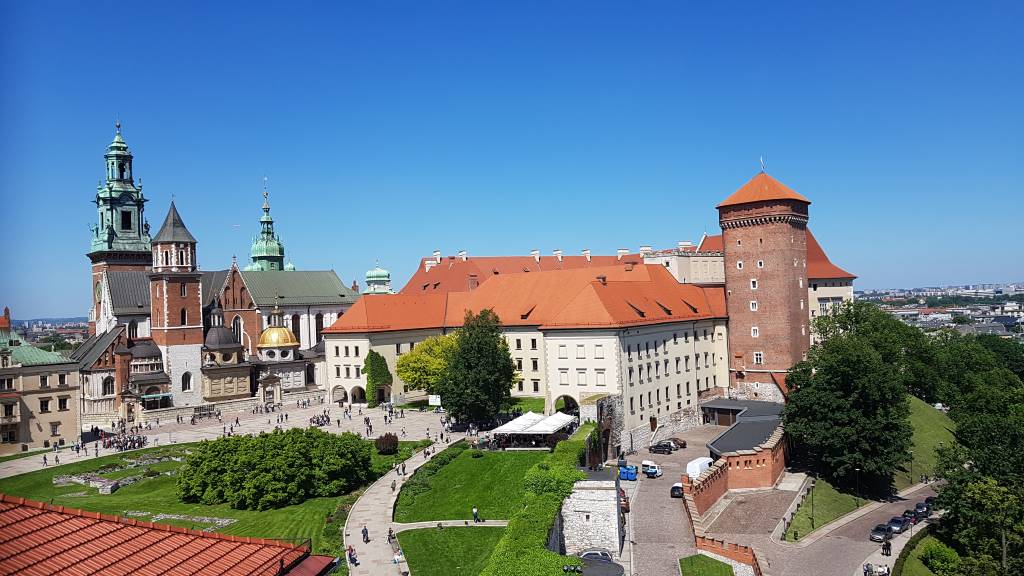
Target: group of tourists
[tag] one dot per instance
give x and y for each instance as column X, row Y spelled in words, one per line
column 126, row 440
column 322, row 419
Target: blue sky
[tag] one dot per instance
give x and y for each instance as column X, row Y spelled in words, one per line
column 390, row 129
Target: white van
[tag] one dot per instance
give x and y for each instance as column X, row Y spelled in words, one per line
column 697, row 466
column 645, row 465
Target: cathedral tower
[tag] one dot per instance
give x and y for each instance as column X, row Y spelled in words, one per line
column 120, row 238
column 764, row 233
column 176, row 310
column 267, row 251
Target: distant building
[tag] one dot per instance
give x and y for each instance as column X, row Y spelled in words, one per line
column 378, row 281
column 39, row 394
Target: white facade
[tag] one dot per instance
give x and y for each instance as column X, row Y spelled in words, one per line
column 306, row 332
column 183, row 364
column 825, row 294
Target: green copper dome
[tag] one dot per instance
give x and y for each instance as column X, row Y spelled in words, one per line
column 378, row 281
column 378, row 273
column 267, row 250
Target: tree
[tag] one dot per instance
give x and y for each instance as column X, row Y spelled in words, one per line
column 957, row 357
column 425, row 367
column 54, row 343
column 849, row 410
column 377, row 376
column 481, row 371
column 962, row 319
column 1009, row 352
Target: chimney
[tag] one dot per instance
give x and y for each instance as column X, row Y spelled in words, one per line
column 603, row 280
column 473, row 282
column 536, row 255
column 462, row 255
column 558, row 254
column 683, row 244
column 586, row 254
column 621, row 252
column 437, row 256
column 645, row 250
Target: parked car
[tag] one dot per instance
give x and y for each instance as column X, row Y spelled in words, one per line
column 597, row 554
column 912, row 515
column 923, row 509
column 653, row 471
column 899, row 524
column 661, row 448
column 880, row 533
column 602, row 568
column 679, row 443
column 644, row 465
column 930, row 501
column 677, row 490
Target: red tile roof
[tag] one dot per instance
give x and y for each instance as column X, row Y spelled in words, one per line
column 711, row 244
column 761, row 188
column 42, row 539
column 818, row 264
column 630, row 294
column 455, row 274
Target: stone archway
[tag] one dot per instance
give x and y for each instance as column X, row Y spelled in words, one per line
column 383, row 394
column 339, row 394
column 358, row 395
column 567, row 404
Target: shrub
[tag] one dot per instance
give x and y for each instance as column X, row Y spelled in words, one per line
column 940, row 558
column 150, row 473
column 554, row 439
column 387, row 443
column 477, row 454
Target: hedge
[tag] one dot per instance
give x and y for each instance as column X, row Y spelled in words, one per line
column 897, row 568
column 522, row 550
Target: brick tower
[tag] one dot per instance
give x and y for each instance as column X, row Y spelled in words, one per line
column 120, row 238
column 176, row 308
column 764, row 226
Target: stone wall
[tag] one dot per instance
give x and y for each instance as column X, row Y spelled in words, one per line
column 737, row 552
column 768, row 391
column 168, row 414
column 590, row 517
column 758, row 468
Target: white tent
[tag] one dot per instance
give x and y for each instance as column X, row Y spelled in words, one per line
column 551, row 424
column 519, row 424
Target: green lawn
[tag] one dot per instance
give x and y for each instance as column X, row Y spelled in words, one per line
column 493, row 483
column 930, row 427
column 913, row 565
column 700, row 565
column 159, row 495
column 27, row 454
column 450, row 551
column 829, row 504
column 529, row 404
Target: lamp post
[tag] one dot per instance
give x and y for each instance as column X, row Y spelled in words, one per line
column 911, row 467
column 857, row 499
column 813, row 484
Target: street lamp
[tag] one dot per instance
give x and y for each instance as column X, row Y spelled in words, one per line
column 813, row 484
column 911, row 467
column 857, row 499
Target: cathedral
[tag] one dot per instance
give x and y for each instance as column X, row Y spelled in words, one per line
column 168, row 339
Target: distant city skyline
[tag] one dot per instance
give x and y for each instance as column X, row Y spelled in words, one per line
column 387, row 134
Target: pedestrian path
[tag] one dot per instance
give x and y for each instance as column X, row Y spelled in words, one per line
column 400, row 527
column 898, row 543
column 374, row 510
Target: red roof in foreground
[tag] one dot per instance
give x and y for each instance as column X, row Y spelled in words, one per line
column 818, row 264
column 38, row 538
column 628, row 295
column 761, row 188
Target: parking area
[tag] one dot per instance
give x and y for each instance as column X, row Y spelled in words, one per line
column 661, row 530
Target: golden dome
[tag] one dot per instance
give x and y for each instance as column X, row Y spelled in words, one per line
column 277, row 337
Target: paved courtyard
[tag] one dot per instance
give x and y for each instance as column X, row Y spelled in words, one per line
column 661, row 529
column 753, row 512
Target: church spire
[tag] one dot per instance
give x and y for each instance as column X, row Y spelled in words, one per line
column 267, row 249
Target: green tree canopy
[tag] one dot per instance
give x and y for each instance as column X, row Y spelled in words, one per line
column 425, row 367
column 481, row 371
column 849, row 410
column 377, row 376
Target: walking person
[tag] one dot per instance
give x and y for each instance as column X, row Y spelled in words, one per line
column 393, row 484
column 366, row 535
column 45, row 463
column 476, row 515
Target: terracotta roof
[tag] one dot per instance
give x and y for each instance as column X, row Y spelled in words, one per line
column 454, row 274
column 818, row 264
column 630, row 294
column 711, row 244
column 761, row 188
column 38, row 538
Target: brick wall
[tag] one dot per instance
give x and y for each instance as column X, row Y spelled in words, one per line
column 737, row 552
column 758, row 468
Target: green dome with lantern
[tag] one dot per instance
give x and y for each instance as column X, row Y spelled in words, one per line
column 267, row 252
column 378, row 281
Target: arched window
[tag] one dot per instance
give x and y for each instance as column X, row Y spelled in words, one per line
column 319, row 326
column 186, row 381
column 108, row 385
column 296, row 326
column 241, row 298
column 184, row 317
column 236, row 329
column 133, row 329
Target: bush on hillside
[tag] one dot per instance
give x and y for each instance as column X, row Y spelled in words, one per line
column 940, row 558
column 387, row 444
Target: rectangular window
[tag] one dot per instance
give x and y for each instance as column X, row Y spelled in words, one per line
column 563, row 377
column 687, row 361
column 346, row 351
column 536, row 385
column 62, row 380
column 631, row 409
column 753, row 305
column 519, row 364
column 677, row 365
column 754, row 332
column 357, row 351
column 758, row 357
column 599, row 351
column 337, row 372
column 54, row 428
column 519, row 344
column 348, row 371
column 678, row 391
column 126, row 220
column 686, row 336
column 581, row 351
column 687, row 388
column 62, row 404
column 359, row 370
column 6, row 383
column 696, row 361
column 664, row 346
column 44, row 405
column 630, row 373
column 534, row 364
column 753, row 284
column 675, row 338
column 823, row 307
column 563, row 351
column 337, row 352
column 629, row 352
column 44, row 381
column 398, row 348
column 533, row 343
column 184, row 290
column 599, row 378
column 581, row 377
column 657, row 395
column 520, row 385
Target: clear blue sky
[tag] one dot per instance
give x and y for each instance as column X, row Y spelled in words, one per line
column 390, row 129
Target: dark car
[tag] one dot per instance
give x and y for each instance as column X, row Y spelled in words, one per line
column 930, row 501
column 923, row 509
column 602, row 568
column 881, row 533
column 660, row 448
column 679, row 443
column 899, row 524
column 677, row 490
column 912, row 515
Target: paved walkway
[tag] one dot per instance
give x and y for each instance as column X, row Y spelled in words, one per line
column 374, row 510
column 898, row 543
column 416, row 425
column 402, row 527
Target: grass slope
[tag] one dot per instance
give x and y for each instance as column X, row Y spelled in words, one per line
column 700, row 565
column 913, row 565
column 829, row 504
column 527, row 404
column 448, row 552
column 930, row 427
column 493, row 483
